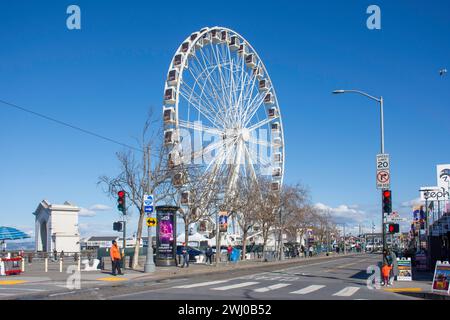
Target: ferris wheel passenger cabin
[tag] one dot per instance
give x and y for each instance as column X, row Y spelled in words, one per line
column 169, row 96
column 169, row 115
column 234, row 43
column 250, row 60
column 215, row 36
column 272, row 112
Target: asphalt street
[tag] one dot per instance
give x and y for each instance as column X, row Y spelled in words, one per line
column 341, row 278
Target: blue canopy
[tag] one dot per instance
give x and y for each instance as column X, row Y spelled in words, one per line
column 8, row 233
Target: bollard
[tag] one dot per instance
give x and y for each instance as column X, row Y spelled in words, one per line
column 60, row 265
column 46, row 264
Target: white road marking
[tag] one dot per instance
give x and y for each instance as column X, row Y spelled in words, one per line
column 308, row 289
column 346, row 292
column 23, row 289
column 234, row 286
column 272, row 287
column 201, row 284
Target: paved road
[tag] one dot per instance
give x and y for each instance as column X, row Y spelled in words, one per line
column 340, row 278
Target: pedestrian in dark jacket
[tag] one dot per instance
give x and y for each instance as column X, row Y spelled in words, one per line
column 209, row 253
column 185, row 254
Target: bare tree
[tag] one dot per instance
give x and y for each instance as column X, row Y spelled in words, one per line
column 292, row 198
column 244, row 206
column 267, row 210
column 196, row 197
column 141, row 173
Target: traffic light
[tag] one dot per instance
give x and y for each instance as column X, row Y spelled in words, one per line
column 393, row 228
column 117, row 226
column 387, row 201
column 121, row 201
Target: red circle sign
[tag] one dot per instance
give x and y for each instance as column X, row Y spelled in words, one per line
column 383, row 176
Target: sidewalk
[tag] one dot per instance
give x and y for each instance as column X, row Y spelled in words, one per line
column 420, row 287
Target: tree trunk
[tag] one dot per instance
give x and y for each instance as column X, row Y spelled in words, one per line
column 244, row 243
column 264, row 246
column 186, row 232
column 138, row 239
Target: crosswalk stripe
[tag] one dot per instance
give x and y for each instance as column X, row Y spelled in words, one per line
column 308, row 289
column 201, row 284
column 273, row 287
column 346, row 292
column 234, row 286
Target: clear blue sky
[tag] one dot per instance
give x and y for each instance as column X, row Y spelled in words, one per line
column 105, row 76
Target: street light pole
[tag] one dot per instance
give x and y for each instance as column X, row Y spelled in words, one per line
column 381, row 102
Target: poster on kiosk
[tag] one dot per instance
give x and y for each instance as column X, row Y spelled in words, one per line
column 166, row 234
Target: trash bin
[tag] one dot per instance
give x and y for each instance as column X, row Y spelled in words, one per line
column 12, row 265
column 235, row 254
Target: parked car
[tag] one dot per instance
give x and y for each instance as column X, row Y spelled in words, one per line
column 193, row 252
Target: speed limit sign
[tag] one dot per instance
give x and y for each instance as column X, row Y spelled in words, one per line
column 382, row 161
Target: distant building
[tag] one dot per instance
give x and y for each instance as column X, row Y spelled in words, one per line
column 100, row 242
column 56, row 227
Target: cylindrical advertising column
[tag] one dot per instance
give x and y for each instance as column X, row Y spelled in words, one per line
column 166, row 236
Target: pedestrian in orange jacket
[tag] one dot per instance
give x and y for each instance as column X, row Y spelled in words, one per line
column 115, row 258
column 386, row 272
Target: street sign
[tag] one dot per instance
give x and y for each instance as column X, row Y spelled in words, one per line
column 382, row 161
column 149, row 206
column 151, row 222
column 383, row 171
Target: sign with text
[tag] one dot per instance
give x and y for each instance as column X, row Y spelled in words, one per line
column 166, row 235
column 404, row 269
column 443, row 176
column 441, row 278
column 383, row 171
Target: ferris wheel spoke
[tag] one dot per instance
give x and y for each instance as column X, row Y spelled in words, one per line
column 250, row 163
column 197, row 104
column 242, row 80
column 210, row 147
column 214, row 86
column 253, row 108
column 260, row 142
column 199, row 127
column 248, row 95
column 263, row 162
column 205, row 89
column 262, row 123
column 223, row 82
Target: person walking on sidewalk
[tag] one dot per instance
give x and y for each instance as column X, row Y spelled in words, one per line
column 209, row 254
column 116, row 257
column 311, row 249
column 229, row 251
column 185, row 254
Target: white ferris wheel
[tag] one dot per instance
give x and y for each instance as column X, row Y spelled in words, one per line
column 221, row 112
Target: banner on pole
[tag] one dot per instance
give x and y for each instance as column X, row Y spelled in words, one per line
column 223, row 221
